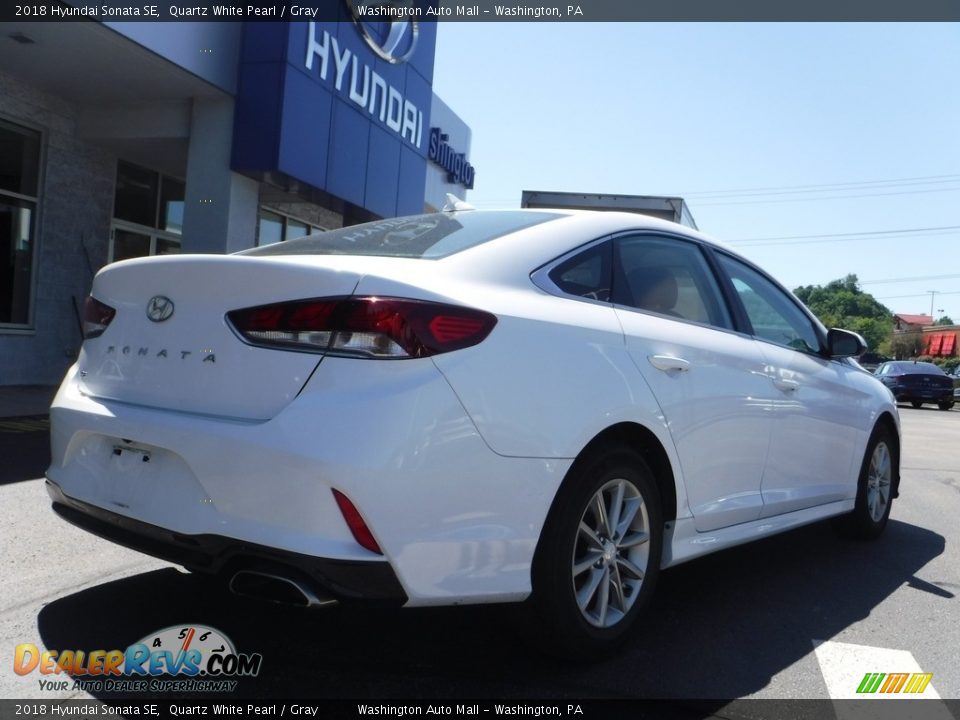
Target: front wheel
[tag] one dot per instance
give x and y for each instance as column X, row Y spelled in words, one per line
column 875, row 488
column 945, row 405
column 916, row 404
column 599, row 554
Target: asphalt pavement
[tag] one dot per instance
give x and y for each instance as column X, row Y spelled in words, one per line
column 24, row 447
column 739, row 624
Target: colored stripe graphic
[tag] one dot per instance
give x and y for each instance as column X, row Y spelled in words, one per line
column 918, row 683
column 870, row 682
column 894, row 683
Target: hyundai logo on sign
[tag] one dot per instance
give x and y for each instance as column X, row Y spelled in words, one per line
column 400, row 40
column 355, row 79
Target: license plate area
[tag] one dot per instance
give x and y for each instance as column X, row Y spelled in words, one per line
column 129, row 453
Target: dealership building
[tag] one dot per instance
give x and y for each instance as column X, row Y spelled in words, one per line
column 120, row 140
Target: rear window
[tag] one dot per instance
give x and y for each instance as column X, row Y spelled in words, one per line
column 909, row 368
column 432, row 236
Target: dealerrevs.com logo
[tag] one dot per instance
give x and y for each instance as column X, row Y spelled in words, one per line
column 180, row 658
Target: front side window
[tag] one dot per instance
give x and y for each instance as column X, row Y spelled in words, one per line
column 19, row 197
column 667, row 276
column 772, row 313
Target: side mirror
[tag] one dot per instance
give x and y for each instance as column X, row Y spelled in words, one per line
column 843, row 343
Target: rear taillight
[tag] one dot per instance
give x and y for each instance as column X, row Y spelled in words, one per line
column 96, row 317
column 369, row 327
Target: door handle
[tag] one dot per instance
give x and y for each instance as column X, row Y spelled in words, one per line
column 668, row 363
column 786, row 385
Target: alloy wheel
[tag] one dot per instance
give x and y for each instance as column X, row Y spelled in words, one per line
column 611, row 553
column 878, row 481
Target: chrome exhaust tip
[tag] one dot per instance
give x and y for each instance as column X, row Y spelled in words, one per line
column 277, row 589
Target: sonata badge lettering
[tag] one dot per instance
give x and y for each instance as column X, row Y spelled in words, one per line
column 208, row 355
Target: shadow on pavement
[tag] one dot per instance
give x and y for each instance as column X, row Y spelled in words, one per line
column 719, row 627
column 24, row 448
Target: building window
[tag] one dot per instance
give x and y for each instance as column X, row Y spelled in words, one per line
column 147, row 213
column 19, row 198
column 272, row 227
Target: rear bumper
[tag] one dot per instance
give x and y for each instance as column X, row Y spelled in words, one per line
column 345, row 579
column 936, row 395
column 455, row 521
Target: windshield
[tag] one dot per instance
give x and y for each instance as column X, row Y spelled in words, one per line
column 429, row 237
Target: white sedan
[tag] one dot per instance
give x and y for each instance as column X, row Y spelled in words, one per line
column 465, row 407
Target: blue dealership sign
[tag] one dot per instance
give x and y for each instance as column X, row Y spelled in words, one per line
column 341, row 106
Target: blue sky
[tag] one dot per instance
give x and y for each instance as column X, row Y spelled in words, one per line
column 828, row 129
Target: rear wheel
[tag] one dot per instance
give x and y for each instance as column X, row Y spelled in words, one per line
column 875, row 489
column 916, row 404
column 599, row 554
column 945, row 405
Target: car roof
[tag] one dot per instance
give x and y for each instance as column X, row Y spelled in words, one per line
column 537, row 245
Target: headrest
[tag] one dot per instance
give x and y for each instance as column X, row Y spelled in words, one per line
column 654, row 288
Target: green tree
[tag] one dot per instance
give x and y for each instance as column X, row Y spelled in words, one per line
column 944, row 320
column 842, row 304
column 906, row 345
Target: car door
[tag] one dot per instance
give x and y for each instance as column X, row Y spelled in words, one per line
column 817, row 411
column 707, row 378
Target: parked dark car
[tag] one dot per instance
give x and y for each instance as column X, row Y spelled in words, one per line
column 917, row 383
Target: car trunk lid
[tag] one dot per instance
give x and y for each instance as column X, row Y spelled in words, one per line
column 170, row 346
column 921, row 381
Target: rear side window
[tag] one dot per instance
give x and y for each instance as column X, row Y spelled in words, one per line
column 587, row 275
column 430, row 236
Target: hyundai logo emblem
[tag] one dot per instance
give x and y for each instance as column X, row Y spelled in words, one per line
column 397, row 43
column 159, row 308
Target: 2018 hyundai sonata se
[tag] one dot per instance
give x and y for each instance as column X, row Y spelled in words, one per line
column 466, row 407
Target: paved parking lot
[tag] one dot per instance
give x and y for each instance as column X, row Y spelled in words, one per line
column 739, row 624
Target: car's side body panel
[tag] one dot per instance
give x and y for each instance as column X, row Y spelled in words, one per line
column 684, row 542
column 820, row 408
column 718, row 409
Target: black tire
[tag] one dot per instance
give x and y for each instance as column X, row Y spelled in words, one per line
column 588, row 631
column 916, row 404
column 945, row 405
column 868, row 520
